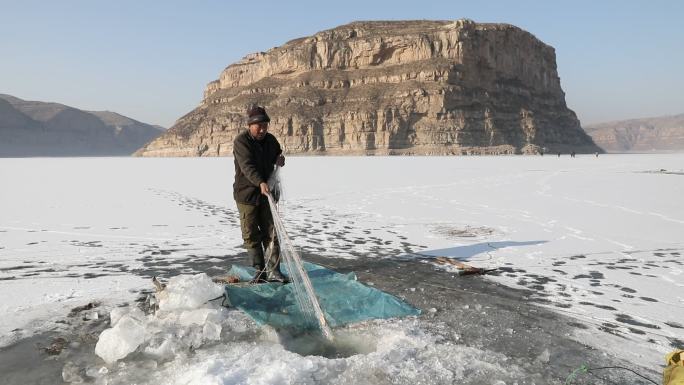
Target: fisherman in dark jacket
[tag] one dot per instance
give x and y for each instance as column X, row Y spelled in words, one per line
column 256, row 152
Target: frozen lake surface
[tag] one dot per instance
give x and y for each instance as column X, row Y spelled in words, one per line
column 599, row 240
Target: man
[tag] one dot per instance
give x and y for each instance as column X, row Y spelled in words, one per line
column 256, row 152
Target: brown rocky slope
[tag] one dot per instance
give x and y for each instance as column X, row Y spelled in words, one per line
column 391, row 87
column 665, row 133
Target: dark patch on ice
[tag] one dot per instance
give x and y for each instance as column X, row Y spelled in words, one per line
column 192, row 264
column 94, row 275
column 507, row 269
column 604, row 307
column 596, row 275
column 574, row 257
column 317, row 345
column 621, row 267
column 86, row 244
column 627, row 319
column 676, row 343
column 31, row 243
column 577, row 325
column 636, row 331
column 610, row 328
column 58, row 344
column 625, row 260
column 7, row 278
column 675, row 325
column 17, row 267
column 593, row 275
column 78, row 309
column 648, row 299
column 628, row 290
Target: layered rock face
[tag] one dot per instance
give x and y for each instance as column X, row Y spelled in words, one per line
column 396, row 87
column 29, row 128
column 664, row 133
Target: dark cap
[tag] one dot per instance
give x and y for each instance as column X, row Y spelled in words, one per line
column 257, row 114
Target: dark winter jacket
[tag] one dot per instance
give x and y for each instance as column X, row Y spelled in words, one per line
column 254, row 162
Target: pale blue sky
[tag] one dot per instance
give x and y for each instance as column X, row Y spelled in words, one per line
column 150, row 60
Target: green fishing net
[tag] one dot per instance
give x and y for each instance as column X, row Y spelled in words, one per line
column 343, row 300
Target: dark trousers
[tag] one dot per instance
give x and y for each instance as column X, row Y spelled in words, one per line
column 256, row 223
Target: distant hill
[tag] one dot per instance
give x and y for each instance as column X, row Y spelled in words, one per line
column 664, row 133
column 30, row 128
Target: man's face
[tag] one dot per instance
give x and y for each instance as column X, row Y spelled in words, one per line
column 258, row 130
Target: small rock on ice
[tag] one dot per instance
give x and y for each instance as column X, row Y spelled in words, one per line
column 544, row 357
column 70, row 373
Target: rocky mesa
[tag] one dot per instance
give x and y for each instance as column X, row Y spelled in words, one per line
column 390, row 88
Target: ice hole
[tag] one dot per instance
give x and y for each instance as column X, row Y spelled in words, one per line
column 344, row 344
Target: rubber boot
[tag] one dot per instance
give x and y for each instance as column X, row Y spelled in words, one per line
column 273, row 268
column 257, row 258
column 274, row 273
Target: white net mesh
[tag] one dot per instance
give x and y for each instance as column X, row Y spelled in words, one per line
column 303, row 289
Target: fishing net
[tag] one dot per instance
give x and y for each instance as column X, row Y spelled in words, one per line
column 317, row 298
column 303, row 289
column 342, row 298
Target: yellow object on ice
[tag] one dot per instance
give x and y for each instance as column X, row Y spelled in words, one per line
column 674, row 372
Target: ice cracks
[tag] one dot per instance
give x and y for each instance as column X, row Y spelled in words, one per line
column 185, row 321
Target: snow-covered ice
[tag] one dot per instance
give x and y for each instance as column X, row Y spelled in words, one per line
column 597, row 239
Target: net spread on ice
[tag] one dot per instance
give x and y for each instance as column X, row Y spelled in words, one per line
column 316, row 299
column 342, row 298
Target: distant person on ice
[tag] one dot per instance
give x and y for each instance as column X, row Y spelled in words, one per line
column 256, row 152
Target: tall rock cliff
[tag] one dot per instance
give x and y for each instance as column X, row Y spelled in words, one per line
column 29, row 128
column 665, row 133
column 391, row 87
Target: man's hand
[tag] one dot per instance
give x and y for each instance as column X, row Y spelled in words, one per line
column 280, row 161
column 264, row 188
